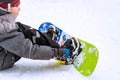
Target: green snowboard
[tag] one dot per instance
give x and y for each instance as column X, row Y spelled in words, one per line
column 86, row 61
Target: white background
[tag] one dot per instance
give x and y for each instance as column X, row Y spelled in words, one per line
column 95, row 21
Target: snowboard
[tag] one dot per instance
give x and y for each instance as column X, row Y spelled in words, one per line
column 86, row 61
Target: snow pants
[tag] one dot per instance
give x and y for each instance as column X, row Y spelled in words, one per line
column 7, row 59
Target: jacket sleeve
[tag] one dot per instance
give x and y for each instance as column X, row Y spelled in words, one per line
column 16, row 43
column 36, row 36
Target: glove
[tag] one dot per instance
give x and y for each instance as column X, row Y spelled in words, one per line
column 52, row 32
column 74, row 47
column 62, row 53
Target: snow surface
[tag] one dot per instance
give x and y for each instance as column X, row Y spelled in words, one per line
column 95, row 21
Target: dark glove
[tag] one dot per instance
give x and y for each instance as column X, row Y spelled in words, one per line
column 62, row 53
column 52, row 32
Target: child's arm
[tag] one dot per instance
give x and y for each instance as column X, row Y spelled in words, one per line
column 35, row 36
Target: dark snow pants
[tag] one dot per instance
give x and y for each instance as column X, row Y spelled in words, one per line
column 7, row 59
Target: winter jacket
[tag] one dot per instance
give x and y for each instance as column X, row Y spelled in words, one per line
column 18, row 40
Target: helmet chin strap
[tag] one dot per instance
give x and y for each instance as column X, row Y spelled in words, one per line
column 9, row 5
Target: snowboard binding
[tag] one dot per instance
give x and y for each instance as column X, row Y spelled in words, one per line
column 75, row 48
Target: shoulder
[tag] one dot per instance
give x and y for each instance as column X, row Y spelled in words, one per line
column 7, row 23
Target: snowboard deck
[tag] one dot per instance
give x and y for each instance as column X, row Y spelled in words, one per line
column 86, row 61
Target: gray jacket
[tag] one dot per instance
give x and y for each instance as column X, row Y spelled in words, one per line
column 16, row 43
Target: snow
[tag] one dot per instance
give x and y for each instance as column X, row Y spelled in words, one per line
column 95, row 21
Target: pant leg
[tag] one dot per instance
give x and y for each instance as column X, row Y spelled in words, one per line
column 7, row 59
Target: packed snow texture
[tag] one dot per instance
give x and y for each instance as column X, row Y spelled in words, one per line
column 95, row 21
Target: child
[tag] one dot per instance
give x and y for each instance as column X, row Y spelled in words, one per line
column 18, row 40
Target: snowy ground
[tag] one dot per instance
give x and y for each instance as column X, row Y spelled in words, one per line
column 96, row 21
